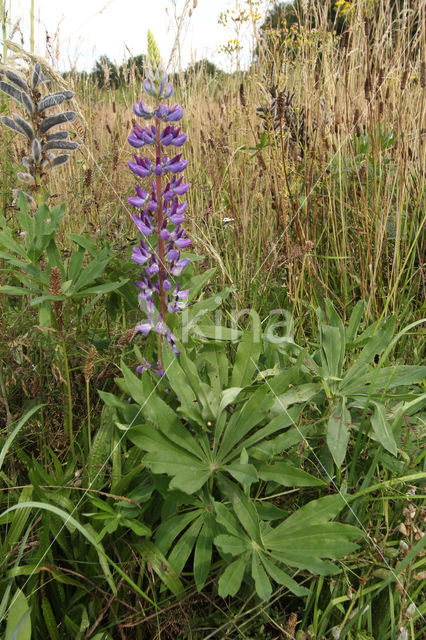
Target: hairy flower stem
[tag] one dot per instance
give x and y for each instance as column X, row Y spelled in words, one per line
column 161, row 245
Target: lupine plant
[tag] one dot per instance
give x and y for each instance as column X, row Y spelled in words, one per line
column 37, row 126
column 160, row 214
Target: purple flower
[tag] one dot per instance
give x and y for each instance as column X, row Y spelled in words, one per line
column 160, row 227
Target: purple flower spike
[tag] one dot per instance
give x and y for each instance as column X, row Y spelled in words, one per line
column 162, row 236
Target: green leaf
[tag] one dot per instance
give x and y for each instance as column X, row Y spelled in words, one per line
column 287, row 475
column 231, row 544
column 261, row 580
column 248, row 353
column 281, row 577
column 216, row 332
column 243, row 508
column 203, row 553
column 314, row 512
column 382, row 429
column 19, row 618
column 107, row 287
column 14, row 291
column 183, row 548
column 296, row 395
column 354, row 321
column 231, row 579
column 254, row 410
column 338, row 431
column 245, row 474
column 8, row 442
column 161, row 566
column 169, row 529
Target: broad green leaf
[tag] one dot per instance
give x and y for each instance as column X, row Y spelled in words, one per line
column 385, row 378
column 231, row 579
column 382, row 429
column 19, row 618
column 75, row 264
column 287, row 475
column 331, row 351
column 261, row 580
column 197, row 283
column 338, row 431
column 281, row 577
column 181, row 386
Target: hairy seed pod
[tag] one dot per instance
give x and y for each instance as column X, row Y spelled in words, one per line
column 28, row 103
column 25, row 126
column 26, row 162
column 58, row 135
column 54, row 99
column 11, row 91
column 36, row 151
column 59, row 118
column 30, row 199
column 11, row 124
column 61, row 144
column 27, row 178
column 13, row 77
column 56, row 162
column 38, row 76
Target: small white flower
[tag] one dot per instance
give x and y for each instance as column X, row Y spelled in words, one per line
column 226, row 220
column 411, row 610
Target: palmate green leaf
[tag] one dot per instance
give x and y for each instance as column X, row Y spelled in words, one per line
column 288, row 476
column 231, row 579
column 227, row 519
column 19, row 618
column 217, row 366
column 189, row 472
column 382, row 429
column 261, row 580
column 338, row 431
column 328, row 540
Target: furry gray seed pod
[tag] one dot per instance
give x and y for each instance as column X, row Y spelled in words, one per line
column 60, row 118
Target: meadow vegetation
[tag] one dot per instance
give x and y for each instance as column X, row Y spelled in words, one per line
column 270, row 482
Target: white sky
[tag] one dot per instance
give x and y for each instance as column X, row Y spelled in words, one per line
column 91, row 28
